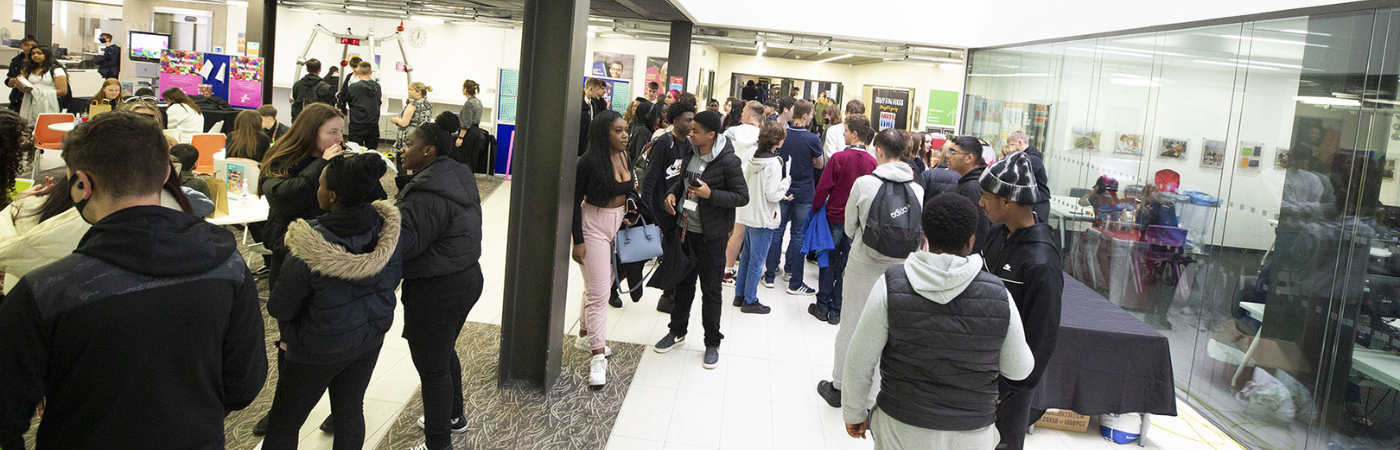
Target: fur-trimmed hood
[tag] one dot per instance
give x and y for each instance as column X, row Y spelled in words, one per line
column 332, row 259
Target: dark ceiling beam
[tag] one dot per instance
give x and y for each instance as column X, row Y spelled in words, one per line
column 636, row 9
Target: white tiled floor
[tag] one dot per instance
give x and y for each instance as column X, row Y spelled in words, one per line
column 761, row 396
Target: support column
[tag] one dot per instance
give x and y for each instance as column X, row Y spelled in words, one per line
column 266, row 36
column 38, row 21
column 679, row 58
column 541, row 195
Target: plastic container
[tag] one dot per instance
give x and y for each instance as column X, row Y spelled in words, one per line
column 1196, row 213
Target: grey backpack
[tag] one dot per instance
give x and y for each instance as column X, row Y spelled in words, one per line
column 894, row 226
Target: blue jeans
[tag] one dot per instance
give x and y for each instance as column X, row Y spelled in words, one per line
column 751, row 258
column 794, row 214
column 829, row 290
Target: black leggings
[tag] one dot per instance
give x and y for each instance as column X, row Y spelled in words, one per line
column 299, row 388
column 434, row 310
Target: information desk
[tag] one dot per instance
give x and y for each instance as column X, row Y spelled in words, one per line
column 1106, row 361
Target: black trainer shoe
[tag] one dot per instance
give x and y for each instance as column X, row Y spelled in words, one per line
column 711, row 358
column 801, row 290
column 835, row 319
column 328, row 425
column 615, row 301
column 260, row 428
column 459, row 424
column 829, row 393
column 668, row 342
column 755, row 308
column 738, row 301
column 816, row 311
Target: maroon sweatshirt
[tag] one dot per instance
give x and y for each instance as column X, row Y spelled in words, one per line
column 838, row 177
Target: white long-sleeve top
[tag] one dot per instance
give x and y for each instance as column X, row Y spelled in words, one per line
column 181, row 117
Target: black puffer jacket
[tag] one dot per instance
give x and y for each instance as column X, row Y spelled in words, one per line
column 728, row 191
column 335, row 297
column 1030, row 265
column 441, row 210
column 970, row 186
column 938, row 180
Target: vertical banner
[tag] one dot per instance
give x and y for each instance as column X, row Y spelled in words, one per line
column 180, row 69
column 507, row 90
column 245, row 81
column 215, row 73
column 656, row 70
column 891, row 108
column 942, row 108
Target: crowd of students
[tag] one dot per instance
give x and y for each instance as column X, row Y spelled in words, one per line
column 936, row 264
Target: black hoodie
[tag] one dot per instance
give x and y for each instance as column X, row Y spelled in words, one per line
column 441, row 210
column 1029, row 264
column 310, row 89
column 145, row 337
column 362, row 102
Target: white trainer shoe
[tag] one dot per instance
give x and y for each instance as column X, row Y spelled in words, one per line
column 598, row 371
column 581, row 343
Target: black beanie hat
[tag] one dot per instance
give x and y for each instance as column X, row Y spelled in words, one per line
column 1011, row 179
column 710, row 120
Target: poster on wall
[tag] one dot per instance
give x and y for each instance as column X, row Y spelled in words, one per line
column 245, row 81
column 1128, row 144
column 1086, row 139
column 891, row 108
column 1251, row 153
column 656, row 71
column 613, row 65
column 1213, row 154
column 1281, row 161
column 1173, row 147
column 677, row 84
column 180, row 69
column 506, row 95
column 942, row 108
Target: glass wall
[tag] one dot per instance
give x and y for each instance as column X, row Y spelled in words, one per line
column 1253, row 224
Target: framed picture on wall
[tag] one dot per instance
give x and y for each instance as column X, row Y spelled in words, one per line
column 1086, row 139
column 1281, row 158
column 1173, row 147
column 1128, row 144
column 1251, row 154
column 1213, row 154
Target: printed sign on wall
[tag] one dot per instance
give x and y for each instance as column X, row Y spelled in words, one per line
column 893, row 101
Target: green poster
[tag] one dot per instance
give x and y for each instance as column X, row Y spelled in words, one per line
column 942, row 108
column 507, row 92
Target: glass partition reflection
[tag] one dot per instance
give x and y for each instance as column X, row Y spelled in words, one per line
column 1234, row 188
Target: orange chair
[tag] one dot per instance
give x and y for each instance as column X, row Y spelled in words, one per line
column 49, row 139
column 208, row 145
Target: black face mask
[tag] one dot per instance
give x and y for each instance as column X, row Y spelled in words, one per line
column 80, row 204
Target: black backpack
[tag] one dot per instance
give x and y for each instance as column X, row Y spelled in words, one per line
column 894, row 226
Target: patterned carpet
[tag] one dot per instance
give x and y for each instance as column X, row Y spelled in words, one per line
column 570, row 416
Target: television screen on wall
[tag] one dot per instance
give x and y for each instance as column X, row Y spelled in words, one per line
column 147, row 46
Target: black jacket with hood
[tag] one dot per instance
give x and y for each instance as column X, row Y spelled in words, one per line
column 1042, row 183
column 146, row 336
column 291, row 198
column 970, row 186
column 441, row 210
column 361, row 102
column 335, row 297
column 728, row 191
column 664, row 162
column 1029, row 264
column 310, row 89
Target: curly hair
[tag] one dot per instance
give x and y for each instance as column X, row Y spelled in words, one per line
column 18, row 146
column 949, row 220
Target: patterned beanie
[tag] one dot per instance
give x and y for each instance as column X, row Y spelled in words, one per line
column 1011, row 179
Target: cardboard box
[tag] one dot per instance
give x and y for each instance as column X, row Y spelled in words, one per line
column 1064, row 420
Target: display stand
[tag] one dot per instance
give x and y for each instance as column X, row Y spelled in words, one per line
column 507, row 89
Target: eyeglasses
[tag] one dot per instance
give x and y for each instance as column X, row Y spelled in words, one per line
column 143, row 98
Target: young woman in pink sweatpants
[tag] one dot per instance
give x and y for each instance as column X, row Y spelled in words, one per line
column 603, row 183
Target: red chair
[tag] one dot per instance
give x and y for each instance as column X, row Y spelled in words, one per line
column 46, row 138
column 208, row 145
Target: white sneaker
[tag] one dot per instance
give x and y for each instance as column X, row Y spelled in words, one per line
column 581, row 343
column 459, row 426
column 598, row 370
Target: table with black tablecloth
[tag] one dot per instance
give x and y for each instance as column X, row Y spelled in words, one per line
column 1106, row 361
